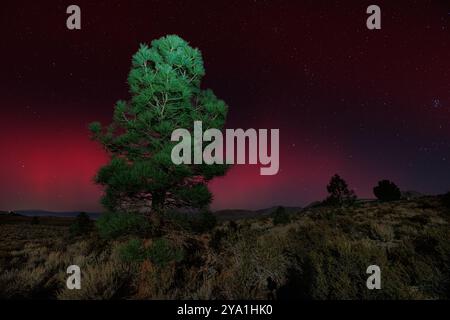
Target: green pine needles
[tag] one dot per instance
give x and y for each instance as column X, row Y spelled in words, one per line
column 164, row 83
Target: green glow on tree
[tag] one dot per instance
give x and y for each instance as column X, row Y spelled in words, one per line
column 164, row 83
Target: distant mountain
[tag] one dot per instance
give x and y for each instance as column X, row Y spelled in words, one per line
column 236, row 214
column 8, row 213
column 227, row 214
column 62, row 214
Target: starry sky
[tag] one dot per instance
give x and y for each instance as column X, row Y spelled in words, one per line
column 367, row 105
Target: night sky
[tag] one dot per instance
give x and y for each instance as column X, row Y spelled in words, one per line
column 365, row 104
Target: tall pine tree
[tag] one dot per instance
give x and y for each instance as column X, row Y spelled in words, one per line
column 164, row 83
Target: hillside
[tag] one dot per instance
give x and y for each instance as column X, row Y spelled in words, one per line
column 236, row 214
column 322, row 253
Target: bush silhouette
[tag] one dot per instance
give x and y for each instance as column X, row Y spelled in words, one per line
column 387, row 191
column 81, row 225
column 280, row 216
column 339, row 193
column 446, row 199
column 35, row 221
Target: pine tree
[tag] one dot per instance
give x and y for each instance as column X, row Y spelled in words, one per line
column 164, row 83
column 339, row 193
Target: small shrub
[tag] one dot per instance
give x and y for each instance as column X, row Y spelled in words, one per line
column 162, row 253
column 280, row 216
column 113, row 225
column 387, row 191
column 217, row 238
column 132, row 251
column 250, row 262
column 81, row 225
column 233, row 226
column 331, row 214
column 380, row 231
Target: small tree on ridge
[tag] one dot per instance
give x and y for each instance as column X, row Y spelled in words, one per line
column 387, row 191
column 339, row 193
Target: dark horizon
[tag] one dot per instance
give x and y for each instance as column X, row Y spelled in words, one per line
column 367, row 105
column 215, row 210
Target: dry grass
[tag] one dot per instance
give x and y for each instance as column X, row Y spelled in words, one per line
column 321, row 254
